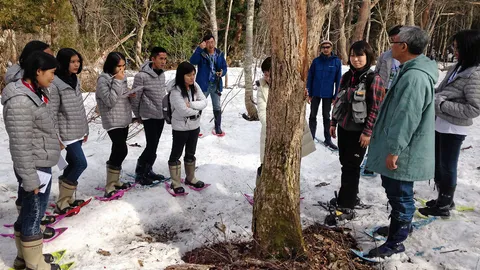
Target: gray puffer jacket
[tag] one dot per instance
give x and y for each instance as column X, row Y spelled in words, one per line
column 68, row 110
column 384, row 66
column 458, row 102
column 31, row 131
column 148, row 101
column 181, row 114
column 115, row 109
column 14, row 73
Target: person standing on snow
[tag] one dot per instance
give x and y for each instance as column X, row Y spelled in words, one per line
column 211, row 68
column 147, row 107
column 354, row 113
column 457, row 102
column 66, row 104
column 116, row 113
column 322, row 85
column 402, row 146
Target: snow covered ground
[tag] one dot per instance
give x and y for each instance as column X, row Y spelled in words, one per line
column 230, row 164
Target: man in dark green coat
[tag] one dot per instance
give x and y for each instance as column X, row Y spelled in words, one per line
column 402, row 146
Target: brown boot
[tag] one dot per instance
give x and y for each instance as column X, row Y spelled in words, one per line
column 33, row 256
column 190, row 172
column 176, row 174
column 19, row 262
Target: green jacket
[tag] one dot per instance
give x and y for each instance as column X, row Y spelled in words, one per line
column 406, row 124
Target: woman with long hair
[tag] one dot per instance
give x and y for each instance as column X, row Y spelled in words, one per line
column 34, row 148
column 15, row 72
column 187, row 102
column 66, row 104
column 116, row 112
column 355, row 111
column 457, row 102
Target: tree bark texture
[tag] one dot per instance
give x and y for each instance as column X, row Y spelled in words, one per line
column 316, row 12
column 363, row 16
column 276, row 214
column 143, row 15
column 342, row 41
column 249, row 103
column 411, row 13
column 400, row 11
column 213, row 19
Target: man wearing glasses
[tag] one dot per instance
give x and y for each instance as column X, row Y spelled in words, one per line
column 322, row 86
column 402, row 146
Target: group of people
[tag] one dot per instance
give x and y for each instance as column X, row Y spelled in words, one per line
column 413, row 130
column 44, row 113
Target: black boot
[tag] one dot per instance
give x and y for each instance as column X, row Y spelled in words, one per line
column 141, row 174
column 398, row 232
column 150, row 173
column 432, row 203
column 218, row 123
column 443, row 204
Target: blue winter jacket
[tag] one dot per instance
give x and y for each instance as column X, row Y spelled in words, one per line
column 324, row 76
column 200, row 58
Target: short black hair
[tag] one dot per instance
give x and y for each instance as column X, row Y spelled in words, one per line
column 394, row 30
column 38, row 60
column 30, row 47
column 468, row 48
column 360, row 48
column 112, row 61
column 63, row 57
column 156, row 51
column 267, row 64
column 208, row 37
column 183, row 69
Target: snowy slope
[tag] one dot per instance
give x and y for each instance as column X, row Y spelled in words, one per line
column 230, row 164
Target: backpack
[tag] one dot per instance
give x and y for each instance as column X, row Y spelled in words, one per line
column 167, row 109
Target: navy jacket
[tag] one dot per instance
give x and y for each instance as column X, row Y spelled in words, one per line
column 200, row 58
column 324, row 76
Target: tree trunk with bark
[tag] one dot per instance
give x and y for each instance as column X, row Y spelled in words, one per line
column 249, row 103
column 342, row 41
column 143, row 14
column 426, row 15
column 316, row 12
column 411, row 13
column 400, row 11
column 276, row 214
column 363, row 16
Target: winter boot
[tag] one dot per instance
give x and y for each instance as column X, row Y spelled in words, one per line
column 330, row 145
column 190, row 178
column 113, row 181
column 176, row 174
column 151, row 174
column 48, row 232
column 141, row 174
column 19, row 262
column 34, row 259
column 443, row 203
column 432, row 203
column 65, row 200
column 218, row 123
column 47, row 220
column 398, row 232
column 259, row 173
column 339, row 214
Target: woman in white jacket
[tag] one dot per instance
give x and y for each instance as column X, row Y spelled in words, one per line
column 308, row 145
column 187, row 102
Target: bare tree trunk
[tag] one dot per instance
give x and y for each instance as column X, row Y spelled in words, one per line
column 276, row 213
column 400, row 11
column 143, row 14
column 411, row 13
column 316, row 11
column 426, row 15
column 342, row 42
column 470, row 18
column 363, row 18
column 249, row 103
column 329, row 22
column 369, row 26
column 113, row 47
column 225, row 50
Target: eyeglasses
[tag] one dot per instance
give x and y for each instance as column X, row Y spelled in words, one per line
column 326, row 47
column 393, row 42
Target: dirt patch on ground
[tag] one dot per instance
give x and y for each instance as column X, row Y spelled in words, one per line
column 328, row 249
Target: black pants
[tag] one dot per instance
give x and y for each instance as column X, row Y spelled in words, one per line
column 312, row 121
column 119, row 146
column 153, row 130
column 351, row 156
column 181, row 139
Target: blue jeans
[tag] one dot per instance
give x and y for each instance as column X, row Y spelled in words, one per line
column 77, row 163
column 212, row 90
column 33, row 210
column 400, row 197
column 447, row 151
